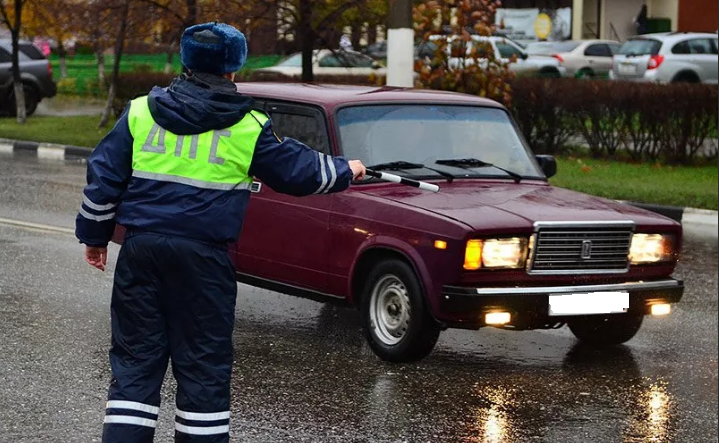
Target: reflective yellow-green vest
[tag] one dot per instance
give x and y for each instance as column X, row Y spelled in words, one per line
column 216, row 159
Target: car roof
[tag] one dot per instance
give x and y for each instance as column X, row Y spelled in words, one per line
column 332, row 95
column 674, row 36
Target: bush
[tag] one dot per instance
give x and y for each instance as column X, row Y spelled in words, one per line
column 675, row 123
column 134, row 84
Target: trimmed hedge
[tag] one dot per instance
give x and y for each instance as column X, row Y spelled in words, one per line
column 674, row 123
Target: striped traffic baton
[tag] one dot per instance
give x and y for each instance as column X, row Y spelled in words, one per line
column 405, row 181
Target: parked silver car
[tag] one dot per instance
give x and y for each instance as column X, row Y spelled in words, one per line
column 505, row 50
column 35, row 72
column 581, row 58
column 668, row 57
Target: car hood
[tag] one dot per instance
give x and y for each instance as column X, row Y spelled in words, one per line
column 494, row 206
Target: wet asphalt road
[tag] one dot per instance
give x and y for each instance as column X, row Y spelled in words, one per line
column 304, row 374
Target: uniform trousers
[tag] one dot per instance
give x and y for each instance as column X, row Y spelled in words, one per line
column 173, row 299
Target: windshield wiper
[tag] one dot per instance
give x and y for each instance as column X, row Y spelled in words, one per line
column 477, row 163
column 393, row 166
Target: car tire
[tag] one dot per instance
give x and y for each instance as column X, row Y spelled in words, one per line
column 606, row 331
column 585, row 74
column 31, row 101
column 396, row 322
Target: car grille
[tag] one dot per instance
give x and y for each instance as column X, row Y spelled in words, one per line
column 581, row 250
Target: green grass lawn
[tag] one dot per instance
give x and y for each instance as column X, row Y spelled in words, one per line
column 678, row 186
column 76, row 131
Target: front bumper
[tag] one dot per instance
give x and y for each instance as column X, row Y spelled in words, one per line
column 464, row 306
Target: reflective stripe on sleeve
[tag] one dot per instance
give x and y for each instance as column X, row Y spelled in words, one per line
column 190, row 181
column 130, row 420
column 199, row 430
column 97, row 218
column 333, row 173
column 94, row 206
column 322, row 159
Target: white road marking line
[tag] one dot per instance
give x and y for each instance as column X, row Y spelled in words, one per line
column 6, row 148
column 37, row 226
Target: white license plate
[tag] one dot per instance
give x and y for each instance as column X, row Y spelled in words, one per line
column 627, row 69
column 589, row 303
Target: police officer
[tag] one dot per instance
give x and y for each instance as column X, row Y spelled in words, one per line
column 176, row 171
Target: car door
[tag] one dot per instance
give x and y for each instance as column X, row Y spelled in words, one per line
column 5, row 72
column 599, row 58
column 284, row 238
column 703, row 54
column 507, row 51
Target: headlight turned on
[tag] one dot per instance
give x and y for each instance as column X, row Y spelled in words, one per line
column 507, row 253
column 651, row 248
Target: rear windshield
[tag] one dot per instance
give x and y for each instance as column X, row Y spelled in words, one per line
column 31, row 51
column 640, row 46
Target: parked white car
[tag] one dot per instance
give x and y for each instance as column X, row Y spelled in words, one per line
column 668, row 57
column 581, row 58
column 329, row 62
column 505, row 50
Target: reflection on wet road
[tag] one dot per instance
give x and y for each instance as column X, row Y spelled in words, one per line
column 304, row 374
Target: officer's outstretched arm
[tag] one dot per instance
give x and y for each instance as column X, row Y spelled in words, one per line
column 291, row 167
column 108, row 171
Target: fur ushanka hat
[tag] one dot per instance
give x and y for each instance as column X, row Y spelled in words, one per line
column 213, row 48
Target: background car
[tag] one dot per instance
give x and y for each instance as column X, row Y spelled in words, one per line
column 668, row 57
column 506, row 49
column 581, row 58
column 36, row 74
column 327, row 62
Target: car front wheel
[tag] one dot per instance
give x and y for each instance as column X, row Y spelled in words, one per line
column 606, row 331
column 395, row 319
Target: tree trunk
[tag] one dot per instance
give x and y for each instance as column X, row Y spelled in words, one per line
column 100, row 54
column 372, row 33
column 191, row 12
column 17, row 81
column 356, row 35
column 168, row 63
column 62, row 53
column 119, row 45
column 307, row 38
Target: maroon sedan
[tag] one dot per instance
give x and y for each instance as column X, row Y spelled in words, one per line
column 496, row 246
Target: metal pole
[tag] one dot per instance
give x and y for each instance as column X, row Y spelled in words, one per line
column 400, row 44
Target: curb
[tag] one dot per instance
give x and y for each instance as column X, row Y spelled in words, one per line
column 44, row 150
column 692, row 216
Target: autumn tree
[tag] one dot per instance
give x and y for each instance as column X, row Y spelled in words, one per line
column 464, row 59
column 123, row 17
column 57, row 19
column 11, row 16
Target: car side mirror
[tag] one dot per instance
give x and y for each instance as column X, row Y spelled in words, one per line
column 548, row 164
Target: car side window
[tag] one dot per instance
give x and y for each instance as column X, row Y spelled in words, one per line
column 700, row 46
column 598, row 50
column 681, row 48
column 614, row 48
column 302, row 123
column 508, row 51
column 5, row 57
column 331, row 61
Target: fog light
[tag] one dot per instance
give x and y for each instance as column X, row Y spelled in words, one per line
column 497, row 318
column 661, row 309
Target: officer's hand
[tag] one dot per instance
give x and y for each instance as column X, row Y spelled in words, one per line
column 358, row 169
column 96, row 257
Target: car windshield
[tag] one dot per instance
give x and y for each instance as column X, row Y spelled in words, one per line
column 640, row 46
column 551, row 48
column 423, row 134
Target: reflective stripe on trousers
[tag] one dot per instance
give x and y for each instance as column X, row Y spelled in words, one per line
column 172, row 298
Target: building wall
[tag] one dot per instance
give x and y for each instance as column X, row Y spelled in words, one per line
column 698, row 15
column 620, row 15
column 590, row 19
